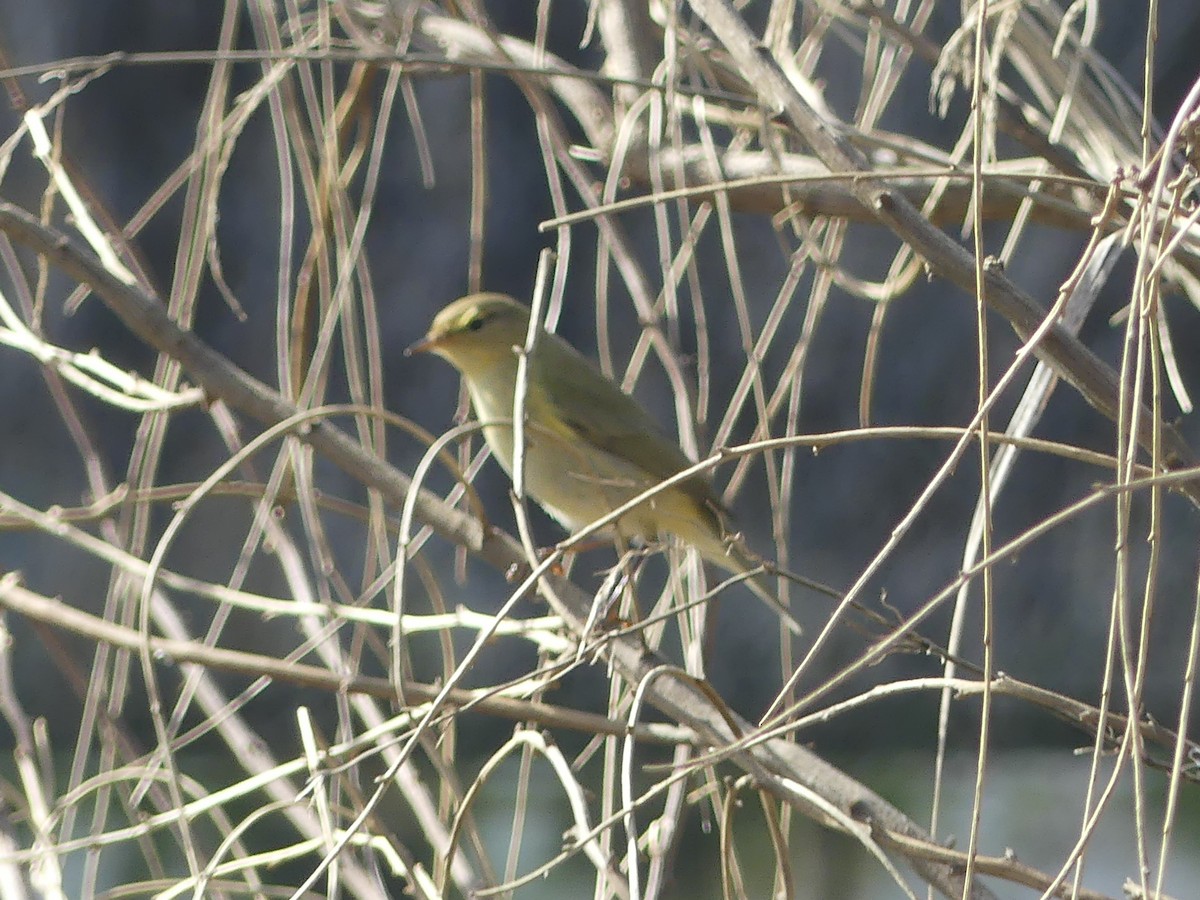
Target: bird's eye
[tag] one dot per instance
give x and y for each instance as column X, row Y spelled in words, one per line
column 475, row 324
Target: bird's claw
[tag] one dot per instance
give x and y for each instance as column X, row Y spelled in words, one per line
column 519, row 571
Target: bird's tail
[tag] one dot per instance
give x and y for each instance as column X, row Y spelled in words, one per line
column 735, row 557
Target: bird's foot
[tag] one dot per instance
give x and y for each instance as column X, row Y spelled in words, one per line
column 519, row 571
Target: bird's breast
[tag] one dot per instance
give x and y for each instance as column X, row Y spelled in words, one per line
column 574, row 481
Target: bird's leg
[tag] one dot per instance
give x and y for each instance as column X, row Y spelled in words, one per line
column 520, row 570
column 614, row 587
column 618, row 582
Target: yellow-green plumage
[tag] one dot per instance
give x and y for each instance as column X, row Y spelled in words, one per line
column 589, row 446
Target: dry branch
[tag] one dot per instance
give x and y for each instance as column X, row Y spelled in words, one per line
column 778, row 765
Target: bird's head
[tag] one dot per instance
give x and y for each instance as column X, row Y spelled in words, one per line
column 474, row 332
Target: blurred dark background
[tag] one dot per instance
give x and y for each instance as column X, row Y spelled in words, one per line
column 128, row 130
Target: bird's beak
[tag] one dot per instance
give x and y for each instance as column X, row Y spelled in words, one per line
column 424, row 345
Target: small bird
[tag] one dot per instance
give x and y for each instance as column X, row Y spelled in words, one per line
column 590, row 447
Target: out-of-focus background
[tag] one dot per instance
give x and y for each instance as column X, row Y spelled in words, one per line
column 432, row 181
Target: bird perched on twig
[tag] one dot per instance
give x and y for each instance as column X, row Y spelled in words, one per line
column 590, row 447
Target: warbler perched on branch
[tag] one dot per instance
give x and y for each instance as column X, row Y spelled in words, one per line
column 589, row 447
